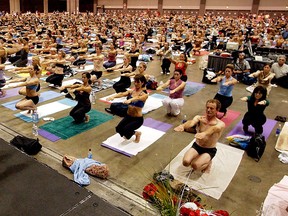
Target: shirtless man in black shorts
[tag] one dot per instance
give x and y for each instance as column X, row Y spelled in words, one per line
column 209, row 129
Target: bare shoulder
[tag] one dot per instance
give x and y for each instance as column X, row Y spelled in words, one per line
column 220, row 123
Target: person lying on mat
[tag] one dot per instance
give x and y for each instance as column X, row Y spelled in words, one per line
column 256, row 103
column 209, row 129
column 32, row 97
column 81, row 92
column 175, row 101
column 134, row 119
column 224, row 94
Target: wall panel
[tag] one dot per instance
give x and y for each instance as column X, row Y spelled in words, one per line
column 273, row 5
column 148, row 4
column 111, row 3
column 229, row 5
column 181, row 4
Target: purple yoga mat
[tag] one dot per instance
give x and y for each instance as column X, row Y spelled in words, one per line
column 267, row 128
column 10, row 93
column 47, row 135
column 158, row 125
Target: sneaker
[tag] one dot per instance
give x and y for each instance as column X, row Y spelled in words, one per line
column 162, row 72
column 168, row 73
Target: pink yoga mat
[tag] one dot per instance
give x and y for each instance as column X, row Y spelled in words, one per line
column 230, row 117
column 267, row 128
column 10, row 93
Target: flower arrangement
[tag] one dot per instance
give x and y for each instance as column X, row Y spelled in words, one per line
column 175, row 201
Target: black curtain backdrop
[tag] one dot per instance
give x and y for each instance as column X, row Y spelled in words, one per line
column 5, row 6
column 31, row 5
column 57, row 5
column 86, row 5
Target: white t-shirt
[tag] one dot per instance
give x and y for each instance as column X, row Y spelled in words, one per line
column 279, row 71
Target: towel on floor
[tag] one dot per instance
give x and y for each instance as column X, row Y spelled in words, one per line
column 224, row 167
column 78, row 169
column 282, row 141
column 276, row 202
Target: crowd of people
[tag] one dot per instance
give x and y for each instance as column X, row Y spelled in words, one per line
column 59, row 43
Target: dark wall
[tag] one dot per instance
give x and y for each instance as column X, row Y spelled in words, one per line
column 86, row 5
column 57, row 5
column 5, row 6
column 31, row 5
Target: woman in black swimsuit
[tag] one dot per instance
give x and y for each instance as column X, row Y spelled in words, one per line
column 134, row 119
column 81, row 93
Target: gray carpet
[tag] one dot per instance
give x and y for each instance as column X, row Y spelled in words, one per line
column 31, row 188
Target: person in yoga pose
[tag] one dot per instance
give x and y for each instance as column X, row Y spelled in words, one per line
column 36, row 64
column 98, row 69
column 227, row 82
column 2, row 80
column 134, row 119
column 256, row 103
column 175, row 101
column 81, row 93
column 126, row 71
column 209, row 129
column 6, row 51
column 32, row 97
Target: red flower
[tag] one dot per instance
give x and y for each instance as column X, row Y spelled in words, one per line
column 221, row 213
column 189, row 212
column 149, row 191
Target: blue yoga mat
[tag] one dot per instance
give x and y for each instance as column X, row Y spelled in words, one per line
column 44, row 96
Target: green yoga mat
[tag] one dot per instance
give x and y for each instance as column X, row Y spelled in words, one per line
column 66, row 128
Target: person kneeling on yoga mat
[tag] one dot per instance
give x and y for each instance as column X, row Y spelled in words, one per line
column 81, row 92
column 135, row 99
column 32, row 96
column 209, row 129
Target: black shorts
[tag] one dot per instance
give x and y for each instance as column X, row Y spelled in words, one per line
column 98, row 74
column 2, row 83
column 201, row 150
column 35, row 99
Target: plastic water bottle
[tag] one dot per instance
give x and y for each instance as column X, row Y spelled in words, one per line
column 184, row 119
column 90, row 154
column 278, row 130
column 35, row 130
column 93, row 97
column 35, row 117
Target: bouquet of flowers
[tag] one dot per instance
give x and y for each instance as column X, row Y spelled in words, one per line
column 175, row 202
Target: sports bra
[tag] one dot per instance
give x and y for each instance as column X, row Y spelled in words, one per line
column 32, row 87
column 137, row 103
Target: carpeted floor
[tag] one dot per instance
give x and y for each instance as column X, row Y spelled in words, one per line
column 31, row 188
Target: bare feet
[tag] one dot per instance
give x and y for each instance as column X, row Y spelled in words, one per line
column 87, row 118
column 3, row 93
column 138, row 135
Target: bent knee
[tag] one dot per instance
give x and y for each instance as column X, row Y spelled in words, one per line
column 186, row 163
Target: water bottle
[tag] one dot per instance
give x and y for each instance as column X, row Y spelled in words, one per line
column 184, row 119
column 93, row 97
column 89, row 154
column 35, row 130
column 278, row 130
column 35, row 118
